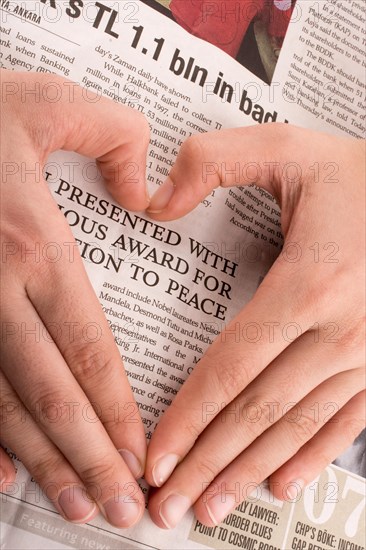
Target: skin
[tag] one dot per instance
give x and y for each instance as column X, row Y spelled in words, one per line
column 220, row 429
column 41, row 376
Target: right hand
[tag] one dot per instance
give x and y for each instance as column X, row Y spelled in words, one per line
column 67, row 407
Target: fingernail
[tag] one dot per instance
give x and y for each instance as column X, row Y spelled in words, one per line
column 121, row 511
column 162, row 197
column 163, row 468
column 219, row 506
column 75, row 504
column 294, row 489
column 172, row 509
column 132, row 462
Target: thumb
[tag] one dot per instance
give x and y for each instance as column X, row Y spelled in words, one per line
column 59, row 114
column 259, row 155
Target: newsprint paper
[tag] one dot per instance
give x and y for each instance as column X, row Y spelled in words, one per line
column 168, row 290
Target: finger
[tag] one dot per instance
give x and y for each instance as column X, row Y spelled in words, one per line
column 274, row 447
column 80, row 330
column 42, row 459
column 237, row 156
column 271, row 156
column 255, row 410
column 46, row 386
column 321, row 450
column 250, row 468
column 77, row 324
column 7, row 470
column 237, row 356
column 234, row 360
column 91, row 125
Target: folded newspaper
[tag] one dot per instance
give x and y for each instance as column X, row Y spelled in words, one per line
column 309, row 71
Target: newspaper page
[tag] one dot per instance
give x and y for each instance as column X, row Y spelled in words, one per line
column 168, row 290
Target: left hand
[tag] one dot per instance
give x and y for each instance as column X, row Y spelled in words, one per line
column 282, row 406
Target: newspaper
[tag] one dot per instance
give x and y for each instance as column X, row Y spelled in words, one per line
column 168, row 290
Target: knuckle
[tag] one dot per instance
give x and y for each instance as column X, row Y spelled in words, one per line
column 90, row 363
column 192, row 148
column 207, row 469
column 119, row 423
column 255, row 472
column 192, row 431
column 258, row 415
column 350, row 426
column 102, row 474
column 51, row 406
column 230, row 379
column 112, row 425
column 303, row 427
column 44, row 467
